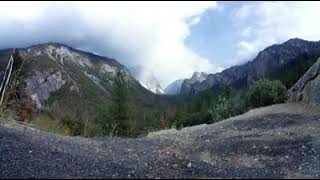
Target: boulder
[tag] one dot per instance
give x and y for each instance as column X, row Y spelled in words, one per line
column 307, row 88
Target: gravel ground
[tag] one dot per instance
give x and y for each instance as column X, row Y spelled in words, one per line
column 281, row 141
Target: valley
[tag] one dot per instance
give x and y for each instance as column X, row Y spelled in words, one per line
column 72, row 114
column 71, row 92
column 159, row 90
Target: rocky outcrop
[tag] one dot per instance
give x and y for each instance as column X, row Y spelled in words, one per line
column 40, row 85
column 308, row 87
column 273, row 57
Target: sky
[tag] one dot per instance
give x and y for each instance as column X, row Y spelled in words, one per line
column 173, row 39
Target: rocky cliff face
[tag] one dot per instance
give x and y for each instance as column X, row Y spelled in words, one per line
column 174, row 88
column 51, row 67
column 273, row 57
column 41, row 84
column 196, row 78
column 308, row 87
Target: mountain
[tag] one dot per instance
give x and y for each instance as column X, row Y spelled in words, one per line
column 174, row 87
column 197, row 77
column 151, row 83
column 287, row 61
column 147, row 79
column 64, row 83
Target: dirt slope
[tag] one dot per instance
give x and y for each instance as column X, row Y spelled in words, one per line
column 280, row 141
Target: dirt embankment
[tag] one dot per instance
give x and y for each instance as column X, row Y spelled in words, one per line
column 280, row 141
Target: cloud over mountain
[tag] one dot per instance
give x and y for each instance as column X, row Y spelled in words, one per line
column 262, row 24
column 135, row 33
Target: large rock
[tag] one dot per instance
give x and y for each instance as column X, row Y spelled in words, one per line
column 308, row 87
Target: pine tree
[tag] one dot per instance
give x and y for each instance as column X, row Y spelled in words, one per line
column 120, row 109
column 204, row 107
column 180, row 114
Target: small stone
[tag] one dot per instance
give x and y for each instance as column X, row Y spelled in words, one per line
column 30, row 151
column 189, row 165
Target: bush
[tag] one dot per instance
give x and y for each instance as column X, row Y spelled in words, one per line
column 221, row 109
column 27, row 109
column 229, row 103
column 76, row 127
column 191, row 119
column 266, row 92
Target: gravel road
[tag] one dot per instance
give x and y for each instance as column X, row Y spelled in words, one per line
column 281, row 141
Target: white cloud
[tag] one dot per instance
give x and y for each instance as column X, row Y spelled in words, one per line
column 194, row 21
column 245, row 48
column 151, row 34
column 262, row 24
column 247, row 32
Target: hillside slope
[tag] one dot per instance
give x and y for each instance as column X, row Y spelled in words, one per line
column 67, row 84
column 280, row 141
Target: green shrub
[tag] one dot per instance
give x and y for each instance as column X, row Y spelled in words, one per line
column 230, row 103
column 76, row 127
column 221, row 110
column 266, row 92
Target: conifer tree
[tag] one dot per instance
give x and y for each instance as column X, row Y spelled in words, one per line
column 120, row 109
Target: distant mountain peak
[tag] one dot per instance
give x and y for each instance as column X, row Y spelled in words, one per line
column 295, row 40
column 199, row 76
column 147, row 79
column 174, row 87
